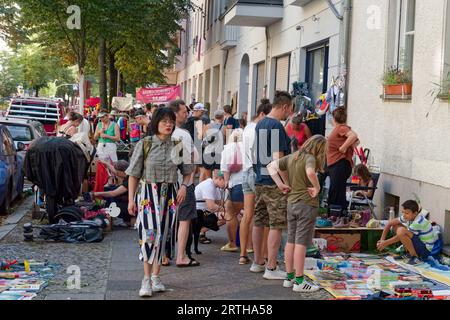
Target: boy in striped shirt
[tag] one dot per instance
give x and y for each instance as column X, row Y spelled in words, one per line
column 415, row 232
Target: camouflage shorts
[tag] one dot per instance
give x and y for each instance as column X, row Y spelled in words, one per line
column 271, row 207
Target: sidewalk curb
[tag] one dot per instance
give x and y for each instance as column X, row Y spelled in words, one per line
column 12, row 220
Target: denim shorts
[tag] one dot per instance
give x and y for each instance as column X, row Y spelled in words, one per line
column 248, row 181
column 236, row 194
column 420, row 247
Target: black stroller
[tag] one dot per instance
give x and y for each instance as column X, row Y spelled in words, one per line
column 57, row 166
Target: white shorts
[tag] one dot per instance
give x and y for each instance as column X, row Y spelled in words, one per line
column 107, row 151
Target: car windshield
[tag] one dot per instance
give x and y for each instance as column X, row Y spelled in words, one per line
column 20, row 133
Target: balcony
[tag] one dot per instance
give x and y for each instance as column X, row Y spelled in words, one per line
column 300, row 3
column 254, row 13
column 228, row 37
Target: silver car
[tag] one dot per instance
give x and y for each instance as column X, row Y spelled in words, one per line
column 24, row 131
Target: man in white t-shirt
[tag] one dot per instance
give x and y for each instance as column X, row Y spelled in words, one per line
column 248, row 180
column 187, row 210
column 209, row 195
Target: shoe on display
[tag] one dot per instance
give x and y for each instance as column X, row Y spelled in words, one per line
column 276, row 274
column 305, row 286
column 157, row 285
column 257, row 268
column 146, row 288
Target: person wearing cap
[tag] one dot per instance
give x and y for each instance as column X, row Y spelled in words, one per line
column 144, row 121
column 197, row 121
column 107, row 133
column 212, row 146
column 119, row 194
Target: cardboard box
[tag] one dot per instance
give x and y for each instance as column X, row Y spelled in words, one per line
column 342, row 241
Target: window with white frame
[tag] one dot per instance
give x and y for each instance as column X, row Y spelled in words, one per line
column 401, row 27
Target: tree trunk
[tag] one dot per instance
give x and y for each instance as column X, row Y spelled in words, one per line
column 81, row 90
column 112, row 77
column 102, row 68
column 37, row 92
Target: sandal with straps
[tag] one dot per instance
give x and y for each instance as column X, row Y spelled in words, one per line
column 244, row 260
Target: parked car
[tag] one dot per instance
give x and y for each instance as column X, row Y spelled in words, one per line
column 11, row 170
column 24, row 131
column 49, row 112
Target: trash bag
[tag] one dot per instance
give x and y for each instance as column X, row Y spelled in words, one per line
column 75, row 232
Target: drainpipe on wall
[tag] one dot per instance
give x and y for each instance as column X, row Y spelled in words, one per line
column 344, row 42
column 267, row 68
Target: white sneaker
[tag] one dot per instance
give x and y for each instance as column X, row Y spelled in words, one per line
column 305, row 287
column 146, row 288
column 288, row 283
column 157, row 285
column 257, row 268
column 276, row 274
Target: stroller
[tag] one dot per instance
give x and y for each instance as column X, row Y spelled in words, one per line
column 58, row 166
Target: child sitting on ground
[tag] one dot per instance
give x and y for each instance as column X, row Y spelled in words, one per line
column 415, row 232
column 296, row 175
column 365, row 180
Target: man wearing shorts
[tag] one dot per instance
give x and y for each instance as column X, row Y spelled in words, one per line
column 271, row 204
column 248, row 181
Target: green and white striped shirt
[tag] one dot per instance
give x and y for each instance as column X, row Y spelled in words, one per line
column 422, row 228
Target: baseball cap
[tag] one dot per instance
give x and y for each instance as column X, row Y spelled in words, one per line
column 102, row 114
column 199, row 107
column 140, row 113
column 219, row 113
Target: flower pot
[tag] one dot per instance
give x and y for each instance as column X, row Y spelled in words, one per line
column 398, row 89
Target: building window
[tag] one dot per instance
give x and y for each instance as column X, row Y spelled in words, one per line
column 317, row 70
column 401, row 26
column 260, row 85
column 282, row 73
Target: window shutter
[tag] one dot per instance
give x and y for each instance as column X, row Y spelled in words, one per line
column 282, row 74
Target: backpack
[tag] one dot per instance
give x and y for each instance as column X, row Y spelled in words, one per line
column 236, row 163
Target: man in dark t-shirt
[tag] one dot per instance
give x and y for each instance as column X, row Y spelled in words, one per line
column 272, row 142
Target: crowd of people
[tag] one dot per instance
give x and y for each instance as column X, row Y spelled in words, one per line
column 189, row 175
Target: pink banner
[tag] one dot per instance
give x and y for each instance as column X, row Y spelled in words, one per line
column 158, row 95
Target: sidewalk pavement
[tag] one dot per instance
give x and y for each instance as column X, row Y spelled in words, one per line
column 111, row 270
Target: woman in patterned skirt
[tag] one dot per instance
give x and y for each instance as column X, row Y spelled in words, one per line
column 154, row 194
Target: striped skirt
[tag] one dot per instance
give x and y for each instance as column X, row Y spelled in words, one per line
column 156, row 220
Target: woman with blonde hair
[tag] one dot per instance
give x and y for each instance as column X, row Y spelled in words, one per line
column 296, row 175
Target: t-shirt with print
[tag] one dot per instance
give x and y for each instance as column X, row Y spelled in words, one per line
column 206, row 190
column 269, row 129
column 336, row 139
column 296, row 165
column 249, row 153
column 422, row 228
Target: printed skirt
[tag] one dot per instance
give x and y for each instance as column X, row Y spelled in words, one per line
column 156, row 220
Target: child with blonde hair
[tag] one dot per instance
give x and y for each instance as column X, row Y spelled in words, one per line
column 296, row 175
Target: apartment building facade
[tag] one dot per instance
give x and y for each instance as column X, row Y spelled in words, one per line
column 407, row 134
column 237, row 52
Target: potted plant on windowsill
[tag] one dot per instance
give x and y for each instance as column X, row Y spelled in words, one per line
column 397, row 82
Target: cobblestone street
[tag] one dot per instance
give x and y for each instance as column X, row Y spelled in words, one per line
column 111, row 270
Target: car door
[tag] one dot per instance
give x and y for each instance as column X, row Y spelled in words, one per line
column 12, row 160
column 4, row 169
